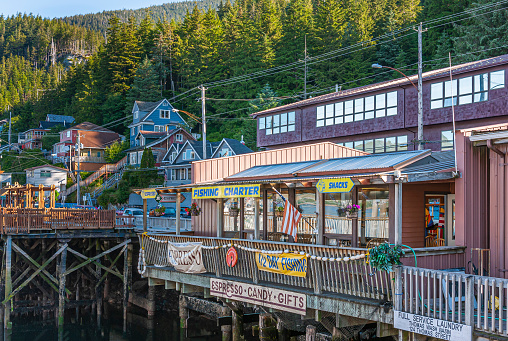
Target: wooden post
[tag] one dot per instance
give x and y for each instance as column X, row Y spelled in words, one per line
column 265, row 214
column 220, row 218
column 178, row 208
column 8, row 282
column 267, row 327
column 354, row 221
column 183, row 311
column 98, row 289
column 145, row 214
column 256, row 219
column 61, row 285
column 242, row 216
column 283, row 331
column 237, row 317
column 127, row 279
column 226, row 330
column 310, row 333
column 41, row 196
column 398, row 241
column 150, row 308
column 320, row 218
column 364, row 215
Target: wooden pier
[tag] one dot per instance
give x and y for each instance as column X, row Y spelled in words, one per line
column 57, row 259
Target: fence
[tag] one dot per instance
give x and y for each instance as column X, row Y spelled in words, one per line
column 154, row 222
column 25, row 220
column 342, row 275
column 477, row 301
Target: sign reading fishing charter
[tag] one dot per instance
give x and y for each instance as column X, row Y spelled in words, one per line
column 234, row 191
column 186, row 257
column 340, row 185
column 290, row 264
column 432, row 327
column 268, row 297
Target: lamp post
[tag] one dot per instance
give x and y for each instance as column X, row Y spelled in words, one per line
column 203, row 122
column 420, row 107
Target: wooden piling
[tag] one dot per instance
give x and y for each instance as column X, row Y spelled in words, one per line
column 183, row 311
column 150, row 308
column 310, row 333
column 98, row 287
column 282, row 331
column 8, row 282
column 61, row 285
column 267, row 328
column 127, row 282
column 226, row 330
column 237, row 317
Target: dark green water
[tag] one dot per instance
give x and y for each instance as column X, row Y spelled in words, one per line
column 164, row 327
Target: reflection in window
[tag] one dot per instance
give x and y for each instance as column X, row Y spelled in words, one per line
column 380, row 145
column 276, row 124
column 447, row 140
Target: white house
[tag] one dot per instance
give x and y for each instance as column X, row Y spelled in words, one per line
column 47, row 175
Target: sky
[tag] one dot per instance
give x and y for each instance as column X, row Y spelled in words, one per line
column 62, row 8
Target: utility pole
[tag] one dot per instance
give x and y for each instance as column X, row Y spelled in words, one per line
column 305, row 71
column 10, row 126
column 420, row 88
column 203, row 113
column 78, row 177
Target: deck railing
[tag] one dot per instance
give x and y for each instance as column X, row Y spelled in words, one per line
column 350, row 277
column 25, row 220
column 478, row 301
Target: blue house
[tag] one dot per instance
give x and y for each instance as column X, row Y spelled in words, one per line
column 150, row 118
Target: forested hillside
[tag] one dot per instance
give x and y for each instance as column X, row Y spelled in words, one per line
column 170, row 11
column 256, row 49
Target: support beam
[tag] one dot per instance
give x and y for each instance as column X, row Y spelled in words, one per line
column 61, row 285
column 220, row 218
column 8, row 283
column 354, row 221
column 242, row 217
column 320, row 218
column 145, row 215
column 98, row 286
column 127, row 281
column 237, row 314
column 265, row 214
column 183, row 312
column 398, row 241
column 178, row 209
column 267, row 327
column 257, row 226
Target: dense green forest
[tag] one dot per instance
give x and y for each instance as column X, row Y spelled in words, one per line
column 245, row 50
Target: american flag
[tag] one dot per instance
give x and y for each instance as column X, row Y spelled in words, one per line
column 290, row 220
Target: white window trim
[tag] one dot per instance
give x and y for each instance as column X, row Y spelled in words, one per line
column 163, row 112
column 179, row 138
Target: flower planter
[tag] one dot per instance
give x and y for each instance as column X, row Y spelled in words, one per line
column 194, row 214
column 352, row 215
column 279, row 213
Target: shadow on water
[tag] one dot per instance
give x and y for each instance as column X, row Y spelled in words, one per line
column 164, row 327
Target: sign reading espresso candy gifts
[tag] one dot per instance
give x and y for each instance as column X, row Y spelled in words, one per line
column 186, row 257
column 285, row 263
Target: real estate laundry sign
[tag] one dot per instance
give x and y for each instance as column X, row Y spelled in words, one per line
column 186, row 257
column 285, row 263
column 255, row 294
column 432, row 327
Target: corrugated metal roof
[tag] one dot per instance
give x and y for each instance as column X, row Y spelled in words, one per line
column 273, row 170
column 373, row 161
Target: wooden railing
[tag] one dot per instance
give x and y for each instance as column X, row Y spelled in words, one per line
column 350, row 277
column 477, row 301
column 17, row 221
column 165, row 223
column 108, row 168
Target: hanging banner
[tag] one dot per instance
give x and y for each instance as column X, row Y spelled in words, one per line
column 289, row 301
column 285, row 263
column 186, row 257
column 234, row 191
column 340, row 185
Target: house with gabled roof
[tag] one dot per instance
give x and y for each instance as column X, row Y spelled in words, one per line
column 230, row 147
column 159, row 142
column 150, row 118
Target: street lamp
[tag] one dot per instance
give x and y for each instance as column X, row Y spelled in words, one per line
column 203, row 122
column 420, row 107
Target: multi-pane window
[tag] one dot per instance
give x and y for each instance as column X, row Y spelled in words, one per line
column 380, row 145
column 447, row 140
column 359, row 109
column 158, row 128
column 179, row 137
column 278, row 123
column 466, row 90
column 165, row 113
column 45, row 174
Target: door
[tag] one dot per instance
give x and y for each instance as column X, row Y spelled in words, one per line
column 450, row 220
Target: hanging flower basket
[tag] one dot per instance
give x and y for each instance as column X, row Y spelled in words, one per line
column 352, row 211
column 279, row 213
column 352, row 215
column 193, row 210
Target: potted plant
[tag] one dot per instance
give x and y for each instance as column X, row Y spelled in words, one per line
column 151, row 213
column 193, row 210
column 384, row 257
column 352, row 211
column 279, row 209
column 234, row 210
column 159, row 211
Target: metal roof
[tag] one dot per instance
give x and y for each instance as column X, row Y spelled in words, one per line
column 274, row 170
column 373, row 161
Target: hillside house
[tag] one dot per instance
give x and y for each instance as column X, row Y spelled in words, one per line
column 47, row 175
column 32, row 138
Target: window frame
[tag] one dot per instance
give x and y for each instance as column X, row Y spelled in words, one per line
column 48, row 172
column 179, row 137
column 162, row 114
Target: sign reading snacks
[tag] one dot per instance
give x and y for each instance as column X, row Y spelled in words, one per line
column 236, row 191
column 285, row 263
column 341, row 185
column 186, row 257
column 272, row 298
column 432, row 327
column 148, row 194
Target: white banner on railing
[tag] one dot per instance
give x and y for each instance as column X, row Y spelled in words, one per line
column 432, row 327
column 186, row 257
column 268, row 297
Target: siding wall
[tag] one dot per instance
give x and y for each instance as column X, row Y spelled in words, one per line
column 218, row 169
column 205, row 224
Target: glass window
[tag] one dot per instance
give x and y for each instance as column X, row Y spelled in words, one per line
column 391, row 99
column 447, row 140
column 391, row 144
column 381, row 113
column 284, row 129
column 380, row 102
column 329, row 110
column 291, row 127
column 348, row 118
column 369, row 115
column 339, row 120
column 369, row 146
column 481, row 97
column 379, row 146
column 349, row 144
column 465, row 85
column 348, row 107
column 276, row 130
column 339, row 109
column 291, row 117
column 369, row 103
column 497, row 79
column 320, row 113
column 481, row 82
column 268, row 131
column 436, row 91
column 261, row 123
column 45, row 174
column 276, row 121
column 269, row 122
column 358, row 105
column 283, row 119
column 402, row 142
column 391, row 111
column 358, row 145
